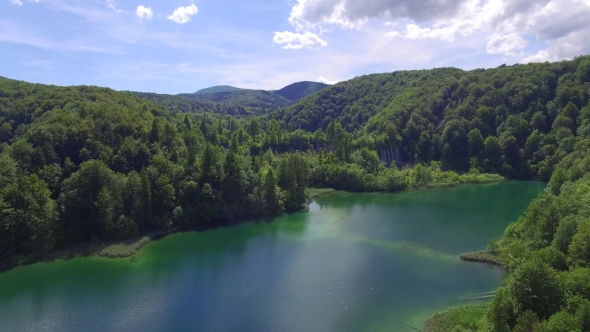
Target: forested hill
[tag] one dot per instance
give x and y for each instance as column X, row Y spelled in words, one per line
column 437, row 94
column 187, row 105
column 528, row 111
column 234, row 101
column 260, row 101
column 219, row 88
column 299, row 90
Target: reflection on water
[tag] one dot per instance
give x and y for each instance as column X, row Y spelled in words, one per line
column 354, row 262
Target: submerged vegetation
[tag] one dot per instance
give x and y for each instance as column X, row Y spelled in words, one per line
column 83, row 164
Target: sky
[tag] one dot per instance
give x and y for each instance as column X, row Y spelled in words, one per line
column 176, row 46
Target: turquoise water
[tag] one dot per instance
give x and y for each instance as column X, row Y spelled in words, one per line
column 354, row 262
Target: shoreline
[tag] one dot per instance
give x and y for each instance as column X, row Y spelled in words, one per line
column 484, row 257
column 129, row 247
column 444, row 320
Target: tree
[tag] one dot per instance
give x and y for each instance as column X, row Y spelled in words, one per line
column 493, row 155
column 527, row 322
column 562, row 322
column 232, row 187
column 564, row 234
column 534, row 286
column 272, row 203
column 155, row 133
column 476, row 143
column 456, row 145
column 579, row 249
column 28, row 217
column 501, row 313
column 79, row 198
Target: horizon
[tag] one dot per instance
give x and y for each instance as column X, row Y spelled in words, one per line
column 184, row 46
column 276, row 89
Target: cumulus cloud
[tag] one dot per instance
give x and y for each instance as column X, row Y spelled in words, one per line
column 562, row 24
column 183, row 14
column 354, row 13
column 144, row 12
column 506, row 45
column 566, row 47
column 296, row 40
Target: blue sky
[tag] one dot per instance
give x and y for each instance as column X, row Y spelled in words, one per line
column 174, row 46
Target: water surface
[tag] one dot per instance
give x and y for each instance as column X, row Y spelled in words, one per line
column 355, row 262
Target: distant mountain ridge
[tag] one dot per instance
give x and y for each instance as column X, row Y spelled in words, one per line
column 225, row 99
column 299, row 90
column 219, row 88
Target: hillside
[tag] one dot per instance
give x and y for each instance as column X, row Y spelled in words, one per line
column 234, row 101
column 218, row 88
column 187, row 105
column 259, row 100
column 299, row 90
column 520, row 107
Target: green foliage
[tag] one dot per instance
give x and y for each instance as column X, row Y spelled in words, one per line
column 468, row 318
column 527, row 322
column 580, row 247
column 562, row 322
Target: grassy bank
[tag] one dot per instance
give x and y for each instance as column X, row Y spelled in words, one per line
column 317, row 192
column 470, row 318
column 109, row 249
column 484, row 257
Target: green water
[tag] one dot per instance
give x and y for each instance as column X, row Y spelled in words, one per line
column 355, row 262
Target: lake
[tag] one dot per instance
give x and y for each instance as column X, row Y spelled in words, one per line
column 354, row 262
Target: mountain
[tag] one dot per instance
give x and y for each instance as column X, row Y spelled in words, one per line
column 259, row 100
column 438, row 114
column 437, row 96
column 299, row 90
column 218, row 88
column 234, row 101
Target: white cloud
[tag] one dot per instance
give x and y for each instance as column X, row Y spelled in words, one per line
column 506, row 45
column 183, row 14
column 566, row 47
column 295, row 40
column 562, row 24
column 354, row 13
column 17, row 2
column 144, row 12
column 324, row 80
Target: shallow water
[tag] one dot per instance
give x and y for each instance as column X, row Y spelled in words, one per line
column 354, row 262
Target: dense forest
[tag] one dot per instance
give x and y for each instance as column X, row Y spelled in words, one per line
column 187, row 105
column 86, row 164
column 528, row 114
